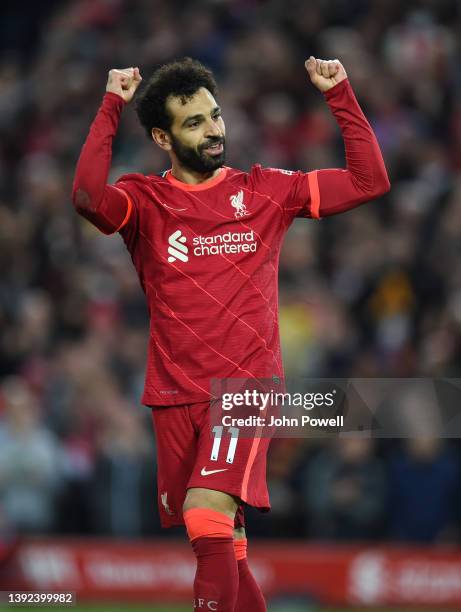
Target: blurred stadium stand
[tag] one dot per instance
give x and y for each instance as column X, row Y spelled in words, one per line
column 374, row 292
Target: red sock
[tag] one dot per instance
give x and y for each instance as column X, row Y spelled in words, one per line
column 249, row 594
column 217, row 579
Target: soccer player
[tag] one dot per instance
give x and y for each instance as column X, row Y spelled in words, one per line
column 205, row 241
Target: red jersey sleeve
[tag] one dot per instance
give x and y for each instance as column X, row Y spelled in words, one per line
column 108, row 207
column 288, row 190
column 132, row 186
column 365, row 177
column 322, row 193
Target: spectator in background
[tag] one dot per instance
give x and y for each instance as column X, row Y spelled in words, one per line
column 29, row 462
column 122, row 489
column 424, row 491
column 345, row 491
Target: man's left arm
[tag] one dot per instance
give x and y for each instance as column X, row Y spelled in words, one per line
column 336, row 190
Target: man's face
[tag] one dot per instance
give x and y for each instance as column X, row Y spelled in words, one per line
column 197, row 132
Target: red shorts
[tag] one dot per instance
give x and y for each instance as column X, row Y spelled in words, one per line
column 190, row 455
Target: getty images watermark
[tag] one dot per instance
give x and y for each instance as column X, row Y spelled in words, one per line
column 371, row 407
column 268, row 404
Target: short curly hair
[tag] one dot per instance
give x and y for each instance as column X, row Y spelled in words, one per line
column 181, row 78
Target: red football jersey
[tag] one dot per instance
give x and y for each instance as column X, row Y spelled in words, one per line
column 207, row 258
column 207, row 254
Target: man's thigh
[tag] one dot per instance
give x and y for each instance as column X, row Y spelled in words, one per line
column 231, row 463
column 176, row 447
column 190, row 455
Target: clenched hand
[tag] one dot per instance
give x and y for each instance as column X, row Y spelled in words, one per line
column 124, row 82
column 325, row 74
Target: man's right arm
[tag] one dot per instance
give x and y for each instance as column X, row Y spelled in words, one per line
column 106, row 206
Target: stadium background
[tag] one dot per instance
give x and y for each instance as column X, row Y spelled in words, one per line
column 374, row 292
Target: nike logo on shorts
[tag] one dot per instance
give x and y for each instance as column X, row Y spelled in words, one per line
column 206, row 472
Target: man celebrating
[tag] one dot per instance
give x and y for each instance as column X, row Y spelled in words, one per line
column 205, row 241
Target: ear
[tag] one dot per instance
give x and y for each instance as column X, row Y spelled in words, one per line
column 161, row 138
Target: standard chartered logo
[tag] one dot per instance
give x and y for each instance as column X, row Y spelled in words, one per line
column 229, row 243
column 177, row 248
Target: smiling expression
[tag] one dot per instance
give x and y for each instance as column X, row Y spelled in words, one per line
column 197, row 131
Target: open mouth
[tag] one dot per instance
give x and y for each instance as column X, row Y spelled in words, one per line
column 215, row 149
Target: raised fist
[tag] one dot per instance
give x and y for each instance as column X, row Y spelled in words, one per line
column 325, row 74
column 124, row 82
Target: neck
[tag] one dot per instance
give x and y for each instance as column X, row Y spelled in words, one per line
column 186, row 175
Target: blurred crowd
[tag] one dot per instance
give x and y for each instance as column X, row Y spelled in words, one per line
column 375, row 292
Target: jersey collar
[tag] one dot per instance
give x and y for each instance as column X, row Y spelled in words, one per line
column 200, row 186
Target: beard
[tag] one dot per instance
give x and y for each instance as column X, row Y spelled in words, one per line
column 199, row 160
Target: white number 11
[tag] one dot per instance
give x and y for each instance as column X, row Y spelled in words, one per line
column 218, row 432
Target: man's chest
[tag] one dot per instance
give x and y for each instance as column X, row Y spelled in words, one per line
column 207, row 233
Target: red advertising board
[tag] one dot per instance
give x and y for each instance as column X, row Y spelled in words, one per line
column 163, row 571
